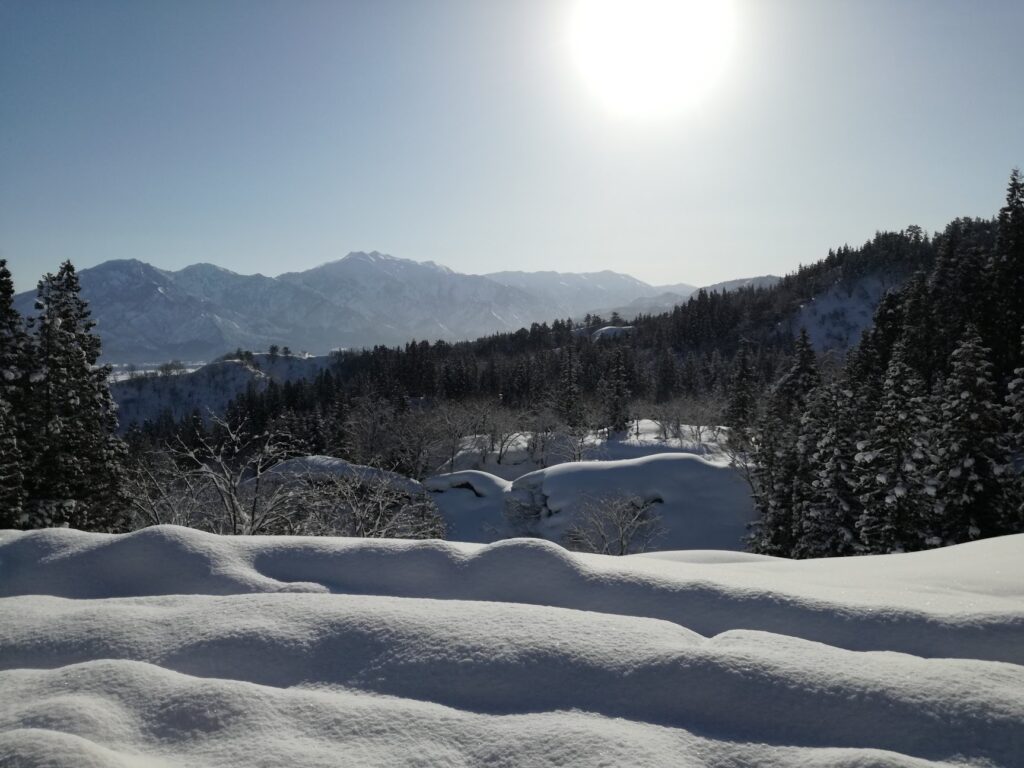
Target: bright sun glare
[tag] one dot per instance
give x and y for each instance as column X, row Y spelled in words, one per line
column 647, row 58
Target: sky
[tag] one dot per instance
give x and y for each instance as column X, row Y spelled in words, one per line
column 271, row 136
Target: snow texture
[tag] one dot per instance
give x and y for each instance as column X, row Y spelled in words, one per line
column 172, row 647
column 701, row 504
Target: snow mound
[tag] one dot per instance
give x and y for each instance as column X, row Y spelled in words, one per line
column 329, row 466
column 173, row 647
column 472, row 504
column 702, row 505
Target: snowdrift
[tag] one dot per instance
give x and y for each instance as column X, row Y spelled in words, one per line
column 173, row 647
column 702, row 504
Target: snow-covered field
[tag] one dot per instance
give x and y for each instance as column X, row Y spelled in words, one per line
column 173, row 647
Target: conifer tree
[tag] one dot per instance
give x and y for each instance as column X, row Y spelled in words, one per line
column 12, row 493
column 1013, row 514
column 76, row 459
column 969, row 453
column 776, row 456
column 569, row 395
column 13, row 343
column 773, row 455
column 14, row 359
column 891, row 482
column 825, row 525
column 796, row 385
column 615, row 394
column 1006, row 279
column 741, row 405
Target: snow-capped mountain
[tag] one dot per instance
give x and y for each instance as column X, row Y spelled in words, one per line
column 145, row 314
column 571, row 295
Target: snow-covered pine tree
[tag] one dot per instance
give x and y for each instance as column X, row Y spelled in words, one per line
column 666, row 376
column 774, row 452
column 771, row 451
column 76, row 459
column 12, row 492
column 802, row 378
column 1006, row 280
column 614, row 393
column 826, row 525
column 804, row 469
column 14, row 347
column 741, row 399
column 969, row 453
column 892, row 487
column 569, row 395
column 1014, row 467
column 14, row 352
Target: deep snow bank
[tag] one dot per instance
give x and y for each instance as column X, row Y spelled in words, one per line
column 173, row 647
column 701, row 504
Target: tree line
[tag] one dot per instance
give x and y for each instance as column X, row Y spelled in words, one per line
column 916, row 442
column 60, row 460
column 909, row 442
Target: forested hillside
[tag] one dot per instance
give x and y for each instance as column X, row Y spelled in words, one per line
column 908, row 442
column 916, row 442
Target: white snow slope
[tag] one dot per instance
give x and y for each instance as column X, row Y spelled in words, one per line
column 173, row 647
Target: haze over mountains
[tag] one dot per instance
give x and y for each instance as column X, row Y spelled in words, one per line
column 145, row 314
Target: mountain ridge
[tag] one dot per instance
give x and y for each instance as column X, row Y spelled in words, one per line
column 146, row 314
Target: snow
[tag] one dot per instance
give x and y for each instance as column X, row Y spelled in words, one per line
column 173, row 647
column 611, row 332
column 836, row 318
column 472, row 504
column 643, row 438
column 702, row 505
column 313, row 466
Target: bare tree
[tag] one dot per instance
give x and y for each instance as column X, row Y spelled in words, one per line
column 504, row 429
column 160, row 492
column 230, row 468
column 614, row 525
column 366, row 506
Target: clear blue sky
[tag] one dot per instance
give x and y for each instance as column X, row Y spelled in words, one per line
column 270, row 136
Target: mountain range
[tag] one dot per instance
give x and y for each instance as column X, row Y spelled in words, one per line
column 149, row 315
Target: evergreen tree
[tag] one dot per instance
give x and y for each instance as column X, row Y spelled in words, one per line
column 741, row 405
column 76, row 467
column 1006, row 281
column 773, row 456
column 969, row 454
column 13, row 343
column 825, row 526
column 569, row 395
column 796, row 385
column 781, row 473
column 1013, row 515
column 891, row 482
column 666, row 377
column 12, row 493
column 14, row 360
column 615, row 394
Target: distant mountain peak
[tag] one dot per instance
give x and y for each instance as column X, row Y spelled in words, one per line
column 365, row 298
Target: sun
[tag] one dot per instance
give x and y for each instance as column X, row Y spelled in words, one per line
column 649, row 58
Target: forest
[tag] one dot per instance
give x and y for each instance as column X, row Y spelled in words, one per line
column 911, row 440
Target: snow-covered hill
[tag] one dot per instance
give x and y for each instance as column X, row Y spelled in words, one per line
column 208, row 389
column 699, row 504
column 172, row 647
